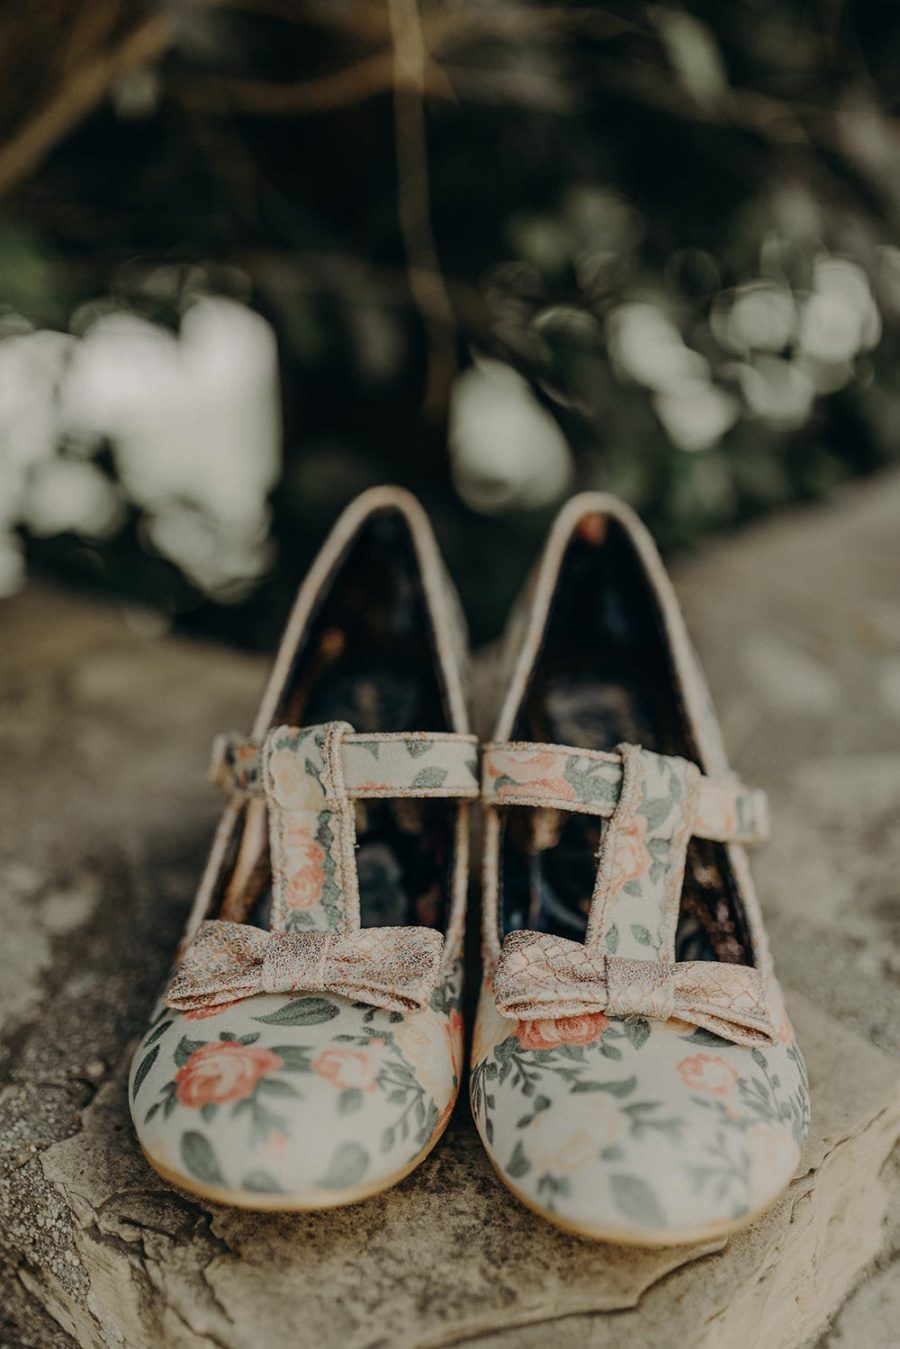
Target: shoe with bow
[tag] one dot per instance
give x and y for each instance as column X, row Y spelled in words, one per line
column 307, row 1051
column 634, row 1074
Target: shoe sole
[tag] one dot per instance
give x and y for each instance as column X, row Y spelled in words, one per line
column 650, row 1238
column 312, row 1201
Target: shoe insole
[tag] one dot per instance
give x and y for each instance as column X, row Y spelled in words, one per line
column 368, row 659
column 602, row 678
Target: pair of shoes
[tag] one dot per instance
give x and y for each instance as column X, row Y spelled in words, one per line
column 634, row 1076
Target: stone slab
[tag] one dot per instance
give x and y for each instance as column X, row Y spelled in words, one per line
column 450, row 1257
column 103, row 823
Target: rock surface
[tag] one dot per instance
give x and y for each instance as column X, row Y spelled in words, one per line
column 104, row 824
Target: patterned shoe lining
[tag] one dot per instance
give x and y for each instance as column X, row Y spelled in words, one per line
column 369, row 659
column 604, row 676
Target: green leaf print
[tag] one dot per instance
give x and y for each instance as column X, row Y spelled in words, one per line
column 349, row 1100
column 590, row 778
column 157, row 1033
column 146, row 1064
column 519, row 1165
column 301, row 1012
column 656, row 812
column 429, row 777
column 199, row 1158
column 296, row 1058
column 641, row 934
column 347, row 1167
column 416, row 748
column 636, row 1200
column 621, row 1088
column 612, row 940
column 260, row 1182
column 637, row 1030
column 701, row 1036
column 185, row 1048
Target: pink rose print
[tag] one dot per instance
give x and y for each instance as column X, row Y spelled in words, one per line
column 535, row 775
column 630, row 858
column 305, row 884
column 345, row 1068
column 710, row 1074
column 569, row 1030
column 223, row 1071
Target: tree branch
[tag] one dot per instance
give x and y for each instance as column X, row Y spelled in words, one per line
column 83, row 91
column 426, row 283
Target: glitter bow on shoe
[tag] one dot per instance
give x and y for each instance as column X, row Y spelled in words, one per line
column 391, row 967
column 540, row 976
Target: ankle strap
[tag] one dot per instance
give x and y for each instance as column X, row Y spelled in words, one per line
column 405, row 763
column 308, row 777
column 654, row 803
column 523, row 773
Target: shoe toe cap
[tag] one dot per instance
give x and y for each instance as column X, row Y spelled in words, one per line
column 649, row 1133
column 293, row 1102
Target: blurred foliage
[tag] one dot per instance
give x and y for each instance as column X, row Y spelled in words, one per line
column 506, row 249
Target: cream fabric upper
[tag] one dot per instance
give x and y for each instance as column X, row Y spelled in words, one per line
column 620, row 1092
column 313, row 1061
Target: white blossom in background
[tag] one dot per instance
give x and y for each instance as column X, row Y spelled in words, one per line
column 760, row 316
column 793, row 348
column 646, row 346
column 71, row 494
column 193, row 423
column 696, row 413
column 32, row 365
column 839, row 319
column 506, row 451
column 779, row 390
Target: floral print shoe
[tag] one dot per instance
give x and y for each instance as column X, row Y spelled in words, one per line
column 635, row 1076
column 307, row 1052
